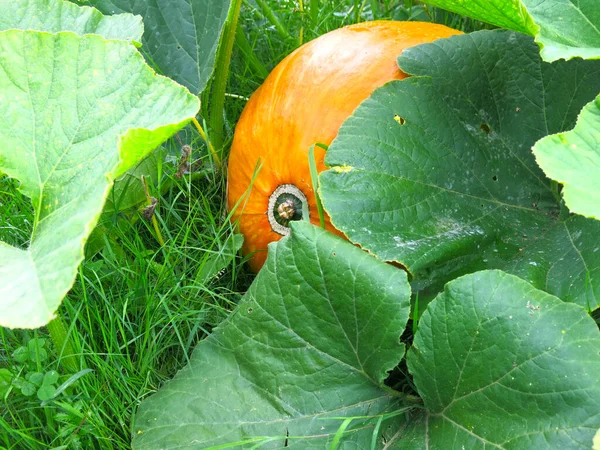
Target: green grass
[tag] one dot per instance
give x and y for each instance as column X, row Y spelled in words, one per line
column 138, row 308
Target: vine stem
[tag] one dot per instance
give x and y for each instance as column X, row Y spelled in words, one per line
column 216, row 119
column 272, row 17
column 58, row 334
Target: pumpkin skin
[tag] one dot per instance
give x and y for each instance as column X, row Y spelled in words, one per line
column 304, row 101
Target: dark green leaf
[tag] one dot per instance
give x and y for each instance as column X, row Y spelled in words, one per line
column 181, row 37
column 313, row 339
column 500, row 364
column 453, row 187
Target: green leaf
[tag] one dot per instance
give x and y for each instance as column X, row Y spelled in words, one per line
column 500, row 364
column 78, row 112
column 21, row 355
column 573, row 159
column 50, row 377
column 46, row 392
column 34, row 352
column 27, row 389
column 35, row 378
column 5, row 380
column 436, row 171
column 564, row 29
column 313, row 339
column 59, row 15
column 181, row 37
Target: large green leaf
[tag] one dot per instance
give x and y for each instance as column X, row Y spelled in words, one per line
column 500, row 364
column 563, row 28
column 181, row 37
column 77, row 112
column 60, row 15
column 436, row 171
column 313, row 338
column 573, row 159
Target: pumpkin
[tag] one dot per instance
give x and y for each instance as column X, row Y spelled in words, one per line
column 304, row 101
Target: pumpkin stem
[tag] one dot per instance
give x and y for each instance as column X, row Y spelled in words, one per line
column 286, row 210
column 286, row 203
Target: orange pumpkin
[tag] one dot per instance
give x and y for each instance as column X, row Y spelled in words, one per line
column 302, row 102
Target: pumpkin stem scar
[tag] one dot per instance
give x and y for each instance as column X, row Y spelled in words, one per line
column 342, row 169
column 286, row 204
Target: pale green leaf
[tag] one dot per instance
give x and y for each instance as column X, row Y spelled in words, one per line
column 573, row 158
column 596, row 445
column 500, row 364
column 454, row 187
column 312, row 340
column 564, row 29
column 60, row 15
column 77, row 112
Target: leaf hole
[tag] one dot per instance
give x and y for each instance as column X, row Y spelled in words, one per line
column 250, row 310
column 485, row 128
column 495, row 178
column 399, row 119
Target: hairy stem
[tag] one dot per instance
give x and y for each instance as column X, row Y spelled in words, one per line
column 272, row 17
column 216, row 119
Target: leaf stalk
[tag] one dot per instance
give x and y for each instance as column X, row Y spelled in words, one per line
column 62, row 343
column 216, row 118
